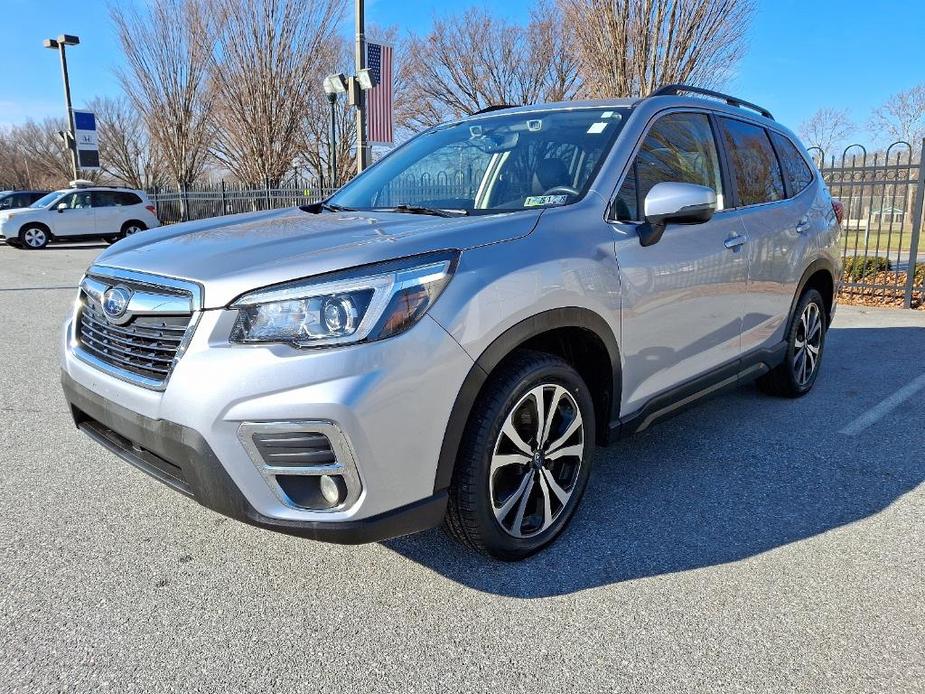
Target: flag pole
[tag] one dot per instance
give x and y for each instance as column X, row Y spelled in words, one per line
column 362, row 145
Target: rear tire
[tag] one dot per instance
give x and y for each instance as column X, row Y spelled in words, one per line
column 33, row 237
column 797, row 374
column 131, row 227
column 523, row 467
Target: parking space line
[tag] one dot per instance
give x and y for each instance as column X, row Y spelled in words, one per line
column 884, row 407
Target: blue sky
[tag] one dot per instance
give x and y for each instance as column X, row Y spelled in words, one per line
column 801, row 55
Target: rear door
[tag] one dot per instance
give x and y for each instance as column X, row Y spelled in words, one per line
column 682, row 297
column 774, row 203
column 77, row 216
column 109, row 214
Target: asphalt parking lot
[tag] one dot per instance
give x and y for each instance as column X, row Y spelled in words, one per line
column 750, row 544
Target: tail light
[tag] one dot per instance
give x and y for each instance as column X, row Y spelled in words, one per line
column 153, row 210
column 838, row 209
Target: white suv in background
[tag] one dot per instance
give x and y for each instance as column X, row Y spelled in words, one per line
column 78, row 213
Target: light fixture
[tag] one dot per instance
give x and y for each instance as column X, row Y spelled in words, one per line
column 366, row 79
column 335, row 84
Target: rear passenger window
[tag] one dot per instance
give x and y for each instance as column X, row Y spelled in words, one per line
column 796, row 170
column 754, row 164
column 104, row 199
column 127, row 199
column 678, row 149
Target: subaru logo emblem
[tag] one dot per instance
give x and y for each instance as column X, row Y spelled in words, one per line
column 115, row 302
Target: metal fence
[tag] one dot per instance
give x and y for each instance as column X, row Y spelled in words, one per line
column 213, row 200
column 882, row 194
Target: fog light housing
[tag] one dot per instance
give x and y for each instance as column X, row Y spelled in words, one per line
column 314, row 492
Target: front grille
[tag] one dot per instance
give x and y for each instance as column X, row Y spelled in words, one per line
column 145, row 346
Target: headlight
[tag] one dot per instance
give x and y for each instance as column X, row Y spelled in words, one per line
column 343, row 308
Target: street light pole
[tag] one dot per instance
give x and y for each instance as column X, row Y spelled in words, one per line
column 362, row 146
column 332, row 142
column 61, row 43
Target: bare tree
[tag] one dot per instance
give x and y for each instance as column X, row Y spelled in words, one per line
column 628, row 48
column 826, row 129
column 127, row 153
column 335, row 56
column 473, row 60
column 168, row 55
column 264, row 52
column 44, row 152
column 15, row 167
column 902, row 117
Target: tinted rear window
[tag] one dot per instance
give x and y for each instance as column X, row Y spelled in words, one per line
column 796, row 170
column 754, row 165
column 114, row 198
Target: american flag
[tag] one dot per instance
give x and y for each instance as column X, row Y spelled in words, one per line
column 379, row 98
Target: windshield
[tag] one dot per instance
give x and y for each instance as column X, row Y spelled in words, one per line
column 46, row 200
column 495, row 163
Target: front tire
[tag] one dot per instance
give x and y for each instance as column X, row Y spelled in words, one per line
column 33, row 238
column 525, row 459
column 797, row 374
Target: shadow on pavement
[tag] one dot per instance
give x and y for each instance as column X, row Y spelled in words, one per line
column 735, row 476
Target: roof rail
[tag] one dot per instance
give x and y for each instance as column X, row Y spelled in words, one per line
column 677, row 89
column 496, row 107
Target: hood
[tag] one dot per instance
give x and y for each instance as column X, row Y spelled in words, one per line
column 232, row 255
column 15, row 212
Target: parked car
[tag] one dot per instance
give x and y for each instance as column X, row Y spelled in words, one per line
column 14, row 199
column 79, row 213
column 448, row 337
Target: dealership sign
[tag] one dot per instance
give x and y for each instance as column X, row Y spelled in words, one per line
column 86, row 141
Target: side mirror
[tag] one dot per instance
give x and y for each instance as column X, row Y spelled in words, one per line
column 677, row 203
column 61, row 206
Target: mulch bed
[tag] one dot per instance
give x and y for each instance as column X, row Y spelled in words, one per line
column 883, row 296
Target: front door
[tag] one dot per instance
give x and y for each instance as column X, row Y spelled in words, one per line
column 77, row 216
column 682, row 297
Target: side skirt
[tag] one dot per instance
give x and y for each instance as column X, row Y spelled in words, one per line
column 676, row 400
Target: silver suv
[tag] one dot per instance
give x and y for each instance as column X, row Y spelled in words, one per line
column 447, row 338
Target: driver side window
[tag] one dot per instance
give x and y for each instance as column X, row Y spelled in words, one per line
column 75, row 201
column 679, row 148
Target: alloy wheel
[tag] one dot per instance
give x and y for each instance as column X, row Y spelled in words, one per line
column 807, row 344
column 35, row 238
column 536, row 461
column 132, row 229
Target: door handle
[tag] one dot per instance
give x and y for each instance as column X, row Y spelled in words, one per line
column 735, row 241
column 803, row 225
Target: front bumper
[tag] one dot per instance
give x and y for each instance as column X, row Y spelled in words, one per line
column 392, row 410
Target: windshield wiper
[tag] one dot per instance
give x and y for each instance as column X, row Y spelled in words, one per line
column 436, row 212
column 332, row 207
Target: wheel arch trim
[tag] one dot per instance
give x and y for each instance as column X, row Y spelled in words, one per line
column 498, row 350
column 819, row 264
column 41, row 225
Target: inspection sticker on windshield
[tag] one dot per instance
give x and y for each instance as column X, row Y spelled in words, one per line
column 596, row 128
column 541, row 200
